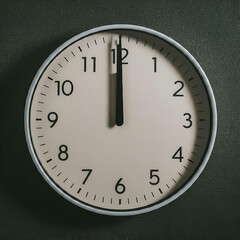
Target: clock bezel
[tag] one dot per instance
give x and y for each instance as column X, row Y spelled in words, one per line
column 197, row 172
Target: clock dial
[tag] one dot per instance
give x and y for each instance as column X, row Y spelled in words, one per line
column 120, row 120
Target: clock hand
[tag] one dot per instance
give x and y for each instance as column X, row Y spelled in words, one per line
column 119, row 85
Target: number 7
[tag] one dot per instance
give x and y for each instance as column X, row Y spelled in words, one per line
column 88, row 174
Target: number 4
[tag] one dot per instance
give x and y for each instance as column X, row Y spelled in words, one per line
column 178, row 154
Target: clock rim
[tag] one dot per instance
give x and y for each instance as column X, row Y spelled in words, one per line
column 209, row 147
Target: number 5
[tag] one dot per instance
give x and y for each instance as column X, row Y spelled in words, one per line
column 154, row 176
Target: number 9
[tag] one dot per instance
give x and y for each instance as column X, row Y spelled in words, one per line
column 53, row 118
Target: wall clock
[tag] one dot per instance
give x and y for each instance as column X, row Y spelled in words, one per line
column 120, row 120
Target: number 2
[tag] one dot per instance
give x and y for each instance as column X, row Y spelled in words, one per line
column 176, row 94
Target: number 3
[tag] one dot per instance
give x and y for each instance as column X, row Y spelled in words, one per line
column 188, row 119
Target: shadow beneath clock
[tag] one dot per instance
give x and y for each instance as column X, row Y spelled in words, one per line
column 21, row 183
column 112, row 101
column 111, row 118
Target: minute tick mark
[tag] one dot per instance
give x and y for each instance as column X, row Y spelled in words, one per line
column 180, row 174
column 186, row 168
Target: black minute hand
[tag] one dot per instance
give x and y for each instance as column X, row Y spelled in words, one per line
column 119, row 85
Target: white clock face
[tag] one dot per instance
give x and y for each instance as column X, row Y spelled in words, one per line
column 120, row 120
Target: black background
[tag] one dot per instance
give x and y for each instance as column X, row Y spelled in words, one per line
column 30, row 31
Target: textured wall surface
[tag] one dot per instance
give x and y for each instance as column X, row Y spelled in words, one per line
column 30, row 31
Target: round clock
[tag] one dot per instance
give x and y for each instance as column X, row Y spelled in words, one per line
column 120, row 120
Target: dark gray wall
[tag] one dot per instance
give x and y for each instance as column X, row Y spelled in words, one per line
column 30, row 31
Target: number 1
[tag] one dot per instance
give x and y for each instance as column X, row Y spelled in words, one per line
column 154, row 64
